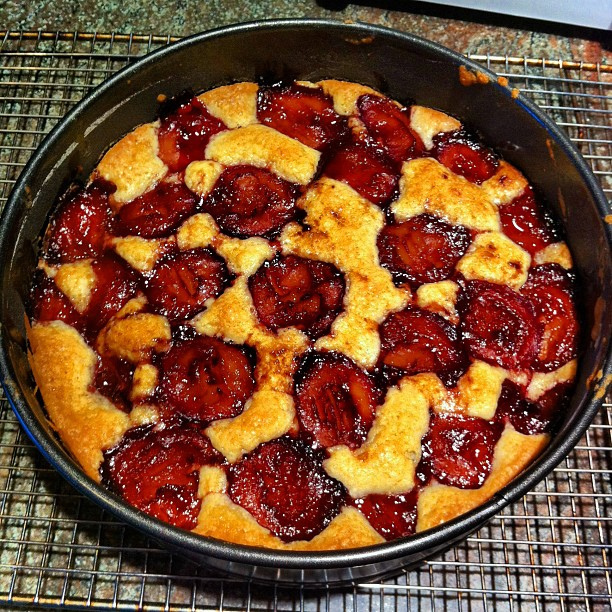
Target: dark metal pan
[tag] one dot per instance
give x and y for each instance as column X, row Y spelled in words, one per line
column 406, row 68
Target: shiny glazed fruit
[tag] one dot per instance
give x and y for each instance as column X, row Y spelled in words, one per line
column 367, row 170
column 116, row 284
column 423, row 249
column 47, row 302
column 113, row 379
column 498, row 325
column 157, row 212
column 393, row 516
column 416, row 340
column 531, row 417
column 291, row 291
column 304, row 113
column 182, row 282
column 550, row 289
column 283, row 485
column 335, row 400
column 185, row 132
column 525, row 222
column 389, row 125
column 249, row 201
column 205, row 379
column 78, row 229
column 465, row 155
column 156, row 468
column 458, row 450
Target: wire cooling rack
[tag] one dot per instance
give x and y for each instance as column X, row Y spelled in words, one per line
column 548, row 551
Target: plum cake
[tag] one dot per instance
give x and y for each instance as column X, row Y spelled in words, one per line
column 303, row 316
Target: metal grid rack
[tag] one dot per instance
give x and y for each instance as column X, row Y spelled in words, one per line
column 548, row 551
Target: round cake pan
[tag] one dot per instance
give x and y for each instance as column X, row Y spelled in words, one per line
column 406, row 68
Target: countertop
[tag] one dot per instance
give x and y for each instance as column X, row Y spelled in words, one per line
column 463, row 30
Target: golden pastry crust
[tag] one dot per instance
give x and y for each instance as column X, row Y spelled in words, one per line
column 63, row 366
column 555, row 253
column 427, row 123
column 135, row 337
column 144, row 381
column 141, row 253
column 133, row 165
column 440, row 297
column 479, row 389
column 542, row 382
column 340, row 227
column 243, row 255
column 76, row 280
column 212, row 480
column 264, row 147
column 144, row 414
column 235, row 105
column 495, row 258
column 385, row 463
column 201, row 176
column 350, row 529
column 345, row 95
column 427, row 186
column 270, row 411
column 220, row 518
column 505, row 185
column 343, row 231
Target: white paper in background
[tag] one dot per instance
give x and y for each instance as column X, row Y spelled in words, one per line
column 589, row 13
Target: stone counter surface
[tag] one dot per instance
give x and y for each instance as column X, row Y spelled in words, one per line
column 462, row 30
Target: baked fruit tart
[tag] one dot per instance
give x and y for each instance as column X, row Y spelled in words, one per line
column 303, row 316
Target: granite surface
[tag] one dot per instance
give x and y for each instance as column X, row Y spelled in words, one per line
column 462, row 30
